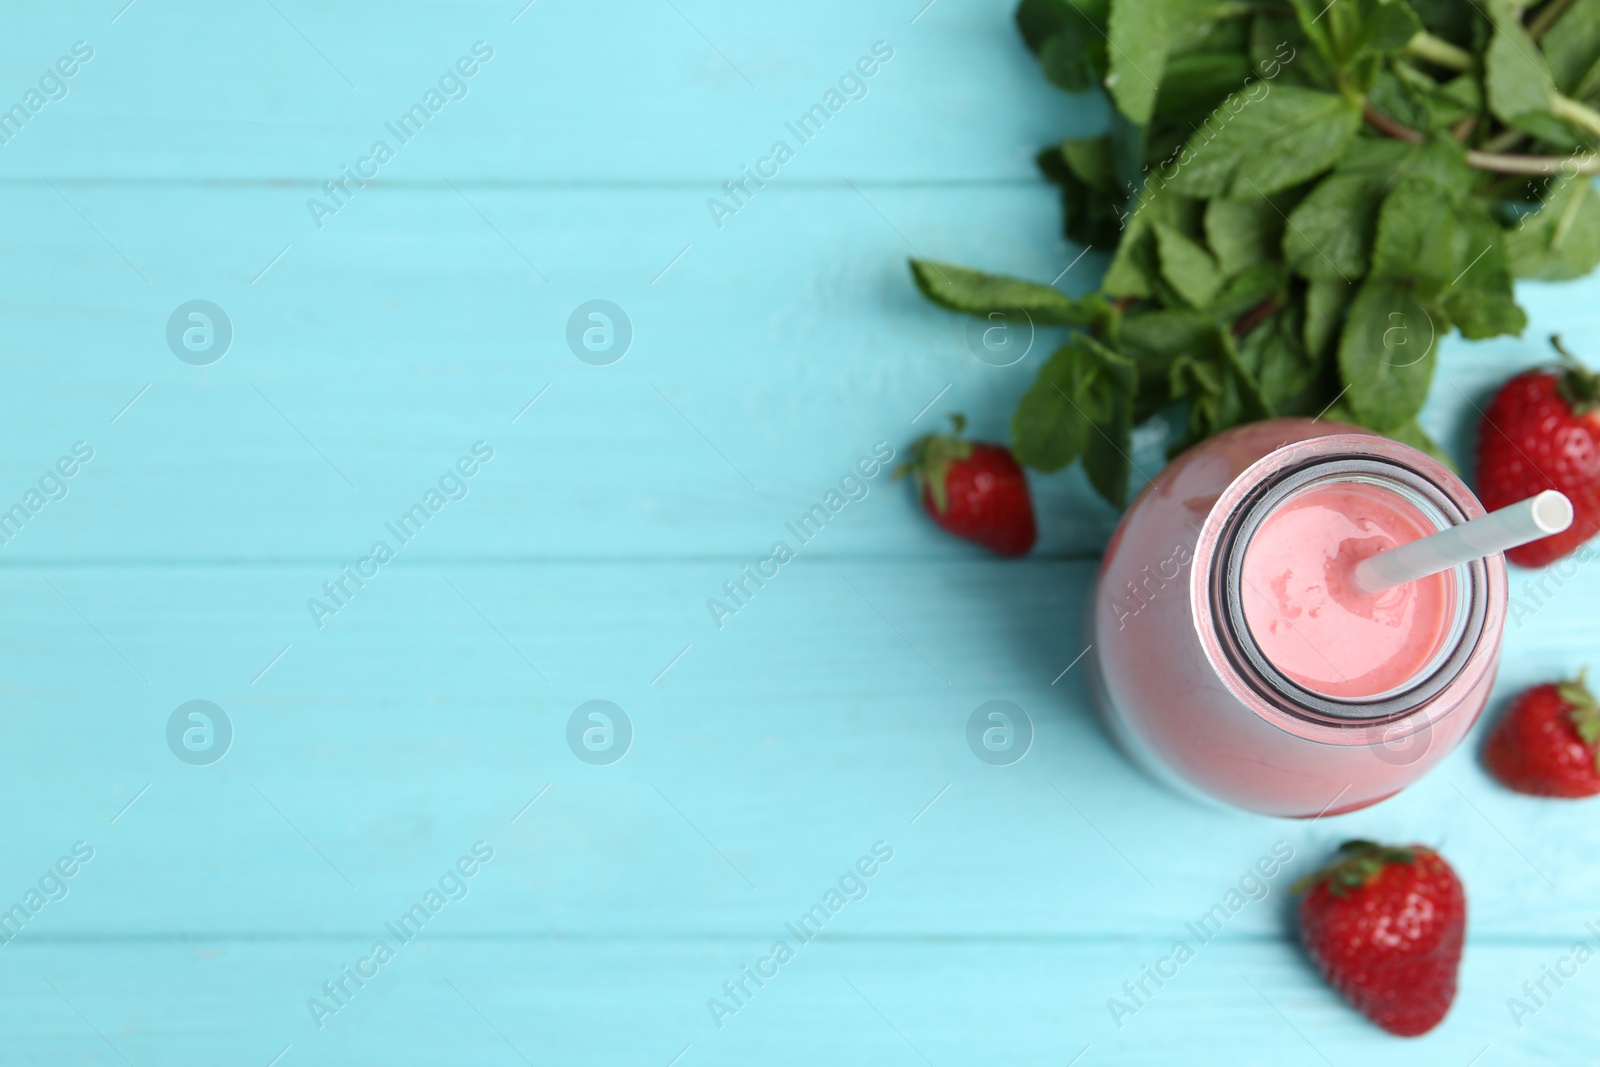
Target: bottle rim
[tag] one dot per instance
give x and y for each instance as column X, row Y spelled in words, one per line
column 1471, row 583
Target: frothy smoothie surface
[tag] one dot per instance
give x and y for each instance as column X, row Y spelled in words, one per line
column 1304, row 610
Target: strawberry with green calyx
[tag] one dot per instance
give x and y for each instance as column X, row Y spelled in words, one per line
column 1385, row 925
column 973, row 489
column 1542, row 431
column 1547, row 744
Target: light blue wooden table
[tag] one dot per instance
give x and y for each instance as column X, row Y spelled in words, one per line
column 428, row 716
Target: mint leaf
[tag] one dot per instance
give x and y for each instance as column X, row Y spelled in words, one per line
column 1572, row 48
column 1245, row 291
column 1187, row 267
column 1277, row 359
column 1479, row 299
column 1450, row 20
column 1048, row 429
column 1075, row 58
column 1107, row 393
column 1081, row 383
column 1518, row 77
column 1106, row 458
column 977, row 293
column 1520, row 82
column 1141, row 35
column 1329, row 236
column 1280, row 52
column 1562, row 240
column 1417, row 236
column 1326, row 301
column 1253, row 403
column 1447, row 247
column 1387, row 25
column 1135, row 270
column 1440, row 160
column 1387, row 353
column 1484, row 312
column 1243, row 233
column 1221, row 390
column 1414, row 99
column 1155, row 341
column 1090, row 160
column 1195, row 84
column 1264, row 140
column 1040, row 20
column 1311, row 14
column 1092, row 206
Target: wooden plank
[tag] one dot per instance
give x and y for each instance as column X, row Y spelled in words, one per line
column 845, row 997
column 607, row 92
column 828, row 714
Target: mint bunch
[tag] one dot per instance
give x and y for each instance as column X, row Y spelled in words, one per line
column 1300, row 198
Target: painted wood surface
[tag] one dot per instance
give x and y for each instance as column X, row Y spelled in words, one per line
column 430, row 712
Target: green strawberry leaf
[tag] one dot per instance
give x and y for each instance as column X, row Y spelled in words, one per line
column 929, row 460
column 1357, row 865
column 1581, row 708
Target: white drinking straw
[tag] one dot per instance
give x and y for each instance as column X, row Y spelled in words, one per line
column 1516, row 524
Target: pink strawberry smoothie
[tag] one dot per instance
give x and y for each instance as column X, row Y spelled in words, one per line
column 1305, row 612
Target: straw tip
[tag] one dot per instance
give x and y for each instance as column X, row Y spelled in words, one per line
column 1552, row 511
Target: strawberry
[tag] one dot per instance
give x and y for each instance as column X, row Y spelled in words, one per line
column 974, row 490
column 1385, row 927
column 1542, row 431
column 1546, row 743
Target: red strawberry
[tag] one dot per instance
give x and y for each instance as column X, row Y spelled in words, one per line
column 1546, row 743
column 1385, row 927
column 1542, row 431
column 974, row 490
